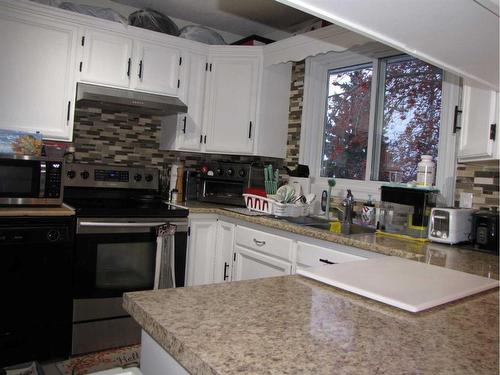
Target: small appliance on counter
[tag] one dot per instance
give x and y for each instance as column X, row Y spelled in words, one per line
column 224, row 182
column 30, row 180
column 485, row 224
column 405, row 211
column 451, row 225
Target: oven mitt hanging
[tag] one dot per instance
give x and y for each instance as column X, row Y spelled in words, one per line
column 165, row 261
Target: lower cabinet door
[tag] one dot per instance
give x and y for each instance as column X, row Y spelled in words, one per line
column 201, row 250
column 248, row 264
column 223, row 251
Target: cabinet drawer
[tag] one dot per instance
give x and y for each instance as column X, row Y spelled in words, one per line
column 311, row 256
column 264, row 242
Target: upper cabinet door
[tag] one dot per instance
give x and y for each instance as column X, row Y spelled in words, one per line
column 479, row 124
column 231, row 103
column 107, row 58
column 36, row 74
column 157, row 69
column 192, row 93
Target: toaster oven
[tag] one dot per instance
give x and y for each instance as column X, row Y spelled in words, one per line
column 451, row 225
column 225, row 182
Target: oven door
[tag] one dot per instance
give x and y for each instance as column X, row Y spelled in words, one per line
column 114, row 256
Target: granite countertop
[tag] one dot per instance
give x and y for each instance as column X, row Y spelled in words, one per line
column 61, row 210
column 293, row 325
column 454, row 257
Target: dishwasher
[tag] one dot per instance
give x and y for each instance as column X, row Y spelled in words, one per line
column 35, row 288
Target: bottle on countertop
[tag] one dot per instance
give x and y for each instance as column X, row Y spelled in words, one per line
column 425, row 171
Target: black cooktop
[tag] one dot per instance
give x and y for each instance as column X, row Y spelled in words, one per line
column 128, row 207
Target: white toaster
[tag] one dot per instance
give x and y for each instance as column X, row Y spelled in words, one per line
column 450, row 225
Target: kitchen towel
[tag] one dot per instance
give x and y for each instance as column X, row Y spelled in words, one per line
column 165, row 257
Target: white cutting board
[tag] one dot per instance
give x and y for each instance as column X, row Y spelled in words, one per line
column 403, row 283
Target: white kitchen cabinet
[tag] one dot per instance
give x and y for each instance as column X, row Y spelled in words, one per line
column 158, row 69
column 119, row 60
column 260, row 254
column 224, row 251
column 37, row 74
column 478, row 138
column 231, row 101
column 249, row 264
column 107, row 58
column 309, row 255
column 183, row 132
column 201, row 249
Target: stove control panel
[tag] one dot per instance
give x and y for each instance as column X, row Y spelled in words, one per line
column 103, row 176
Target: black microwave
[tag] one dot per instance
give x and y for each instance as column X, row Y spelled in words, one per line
column 28, row 180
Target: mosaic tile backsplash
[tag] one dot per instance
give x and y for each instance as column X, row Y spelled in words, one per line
column 295, row 114
column 128, row 139
column 480, row 179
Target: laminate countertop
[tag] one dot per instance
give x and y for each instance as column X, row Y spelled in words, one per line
column 293, row 325
column 61, row 210
column 454, row 257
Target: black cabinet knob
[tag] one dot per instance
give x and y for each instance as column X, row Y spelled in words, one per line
column 71, row 174
column 53, row 235
column 138, row 177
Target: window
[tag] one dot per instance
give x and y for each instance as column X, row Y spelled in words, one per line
column 371, row 114
column 345, row 141
column 410, row 113
column 408, row 119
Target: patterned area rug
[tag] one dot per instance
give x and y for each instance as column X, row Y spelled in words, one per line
column 88, row 363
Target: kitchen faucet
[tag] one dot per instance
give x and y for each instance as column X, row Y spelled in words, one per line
column 348, row 203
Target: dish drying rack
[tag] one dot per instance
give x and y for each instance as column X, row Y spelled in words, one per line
column 271, row 207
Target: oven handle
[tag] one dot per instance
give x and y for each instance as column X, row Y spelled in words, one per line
column 136, row 225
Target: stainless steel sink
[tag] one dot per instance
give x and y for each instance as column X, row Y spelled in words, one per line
column 321, row 223
column 359, row 229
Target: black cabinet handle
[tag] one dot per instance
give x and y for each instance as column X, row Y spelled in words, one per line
column 250, row 130
column 67, row 115
column 205, row 139
column 140, row 69
column 201, row 138
column 326, row 261
column 184, row 127
column 455, row 119
column 226, row 266
column 128, row 67
column 493, row 131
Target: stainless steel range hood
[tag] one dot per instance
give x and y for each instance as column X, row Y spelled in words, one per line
column 127, row 100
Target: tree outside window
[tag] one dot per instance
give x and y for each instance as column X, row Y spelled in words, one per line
column 408, row 119
column 345, row 140
column 411, row 116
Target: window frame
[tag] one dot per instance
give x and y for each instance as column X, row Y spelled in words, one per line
column 312, row 129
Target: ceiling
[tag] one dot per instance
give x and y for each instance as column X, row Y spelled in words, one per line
column 242, row 17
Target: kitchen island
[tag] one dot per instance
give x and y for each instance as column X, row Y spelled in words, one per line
column 293, row 325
